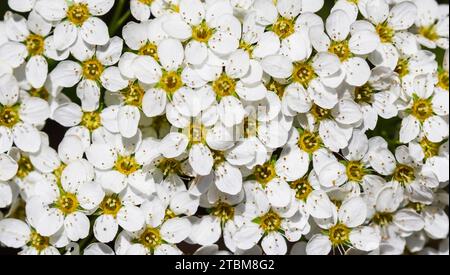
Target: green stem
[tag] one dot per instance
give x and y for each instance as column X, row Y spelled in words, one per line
column 117, row 12
column 120, row 22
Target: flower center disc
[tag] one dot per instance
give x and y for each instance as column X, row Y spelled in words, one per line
column 151, row 238
column 364, row 94
column 67, row 203
column 223, row 211
column 42, row 93
column 303, row 74
column 127, row 165
column 382, row 219
column 171, row 82
column 111, row 205
column 39, row 242
column 92, row 69
column 341, row 49
column 25, row 167
column 429, row 148
column 9, row 116
column 404, row 174
column 133, row 95
column 429, row 32
column 78, row 14
column 422, row 109
column 169, row 166
column 35, row 44
column 149, row 49
column 443, row 80
column 270, row 222
column 283, row 27
column 355, row 171
column 202, row 33
column 320, row 113
column 385, row 32
column 309, row 142
column 402, row 68
column 339, row 235
column 302, row 188
column 224, row 86
column 91, row 120
column 265, row 173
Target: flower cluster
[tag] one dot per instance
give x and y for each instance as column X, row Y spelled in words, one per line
column 254, row 124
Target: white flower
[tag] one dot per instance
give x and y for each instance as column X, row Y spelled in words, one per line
column 17, row 234
column 19, row 116
column 115, row 210
column 432, row 25
column 272, row 225
column 391, row 26
column 94, row 69
column 160, row 234
column 425, row 113
column 344, row 230
column 34, row 33
column 433, row 155
column 78, row 21
column 210, row 29
column 348, row 44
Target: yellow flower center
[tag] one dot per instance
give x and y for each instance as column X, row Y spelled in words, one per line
column 151, row 238
column 418, row 207
column 111, row 205
column 303, row 73
column 339, row 235
column 429, row 32
column 35, row 44
column 171, row 82
column 404, row 174
column 126, row 165
column 364, row 94
column 169, row 214
column 283, row 27
column 78, row 13
column 38, row 242
column 149, row 49
column 67, row 203
column 92, row 69
column 133, row 95
column 25, row 167
column 202, row 33
column 443, row 80
column 224, row 86
column 91, row 120
column 385, row 32
column 422, row 109
column 302, row 188
column 320, row 113
column 9, row 116
column 270, row 222
column 309, row 142
column 42, row 93
column 265, row 173
column 219, row 158
column 382, row 219
column 341, row 49
column 402, row 68
column 146, row 2
column 276, row 87
column 223, row 211
column 169, row 166
column 355, row 171
column 429, row 148
column 246, row 47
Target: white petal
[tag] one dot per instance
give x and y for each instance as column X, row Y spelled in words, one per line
column 36, row 71
column 76, row 226
column 318, row 245
column 94, row 31
column 105, row 228
column 14, row 233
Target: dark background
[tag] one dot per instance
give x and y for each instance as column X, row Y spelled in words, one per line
column 56, row 132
